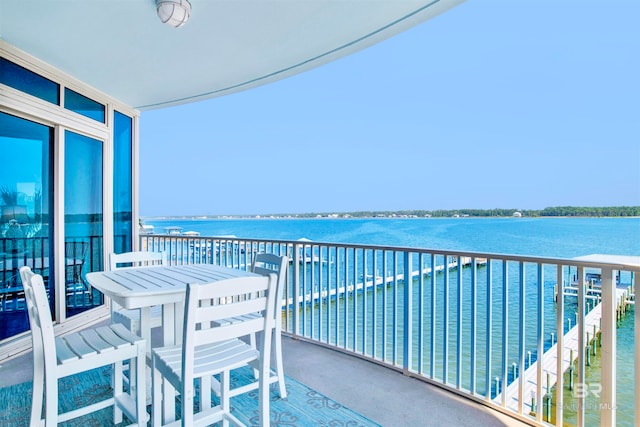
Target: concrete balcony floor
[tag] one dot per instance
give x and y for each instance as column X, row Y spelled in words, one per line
column 382, row 394
column 376, row 392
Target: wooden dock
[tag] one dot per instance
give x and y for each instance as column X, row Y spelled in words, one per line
column 592, row 323
column 379, row 281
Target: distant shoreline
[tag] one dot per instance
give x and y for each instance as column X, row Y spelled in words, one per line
column 552, row 212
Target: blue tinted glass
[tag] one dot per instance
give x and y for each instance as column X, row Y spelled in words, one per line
column 82, row 105
column 122, row 182
column 29, row 82
column 82, row 219
column 25, row 198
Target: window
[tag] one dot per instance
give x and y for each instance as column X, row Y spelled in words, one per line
column 29, row 82
column 122, row 182
column 82, row 105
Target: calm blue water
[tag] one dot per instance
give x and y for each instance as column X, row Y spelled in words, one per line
column 545, row 237
column 554, row 237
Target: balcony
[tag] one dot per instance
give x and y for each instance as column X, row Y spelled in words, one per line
column 493, row 328
column 449, row 336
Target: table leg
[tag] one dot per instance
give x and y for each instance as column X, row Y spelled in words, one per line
column 169, row 330
column 145, row 327
column 145, row 332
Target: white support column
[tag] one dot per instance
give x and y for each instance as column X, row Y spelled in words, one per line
column 608, row 396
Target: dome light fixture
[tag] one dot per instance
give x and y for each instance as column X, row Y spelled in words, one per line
column 173, row 12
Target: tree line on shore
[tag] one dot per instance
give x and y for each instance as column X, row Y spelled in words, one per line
column 570, row 211
column 556, row 211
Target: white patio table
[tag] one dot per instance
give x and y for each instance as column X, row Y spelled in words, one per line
column 144, row 287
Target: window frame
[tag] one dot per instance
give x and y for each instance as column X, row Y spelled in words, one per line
column 29, row 107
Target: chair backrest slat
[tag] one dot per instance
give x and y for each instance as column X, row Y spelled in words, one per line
column 136, row 259
column 230, row 310
column 229, row 331
column 241, row 288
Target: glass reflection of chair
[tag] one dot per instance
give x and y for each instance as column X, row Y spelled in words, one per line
column 11, row 294
column 58, row 357
column 78, row 291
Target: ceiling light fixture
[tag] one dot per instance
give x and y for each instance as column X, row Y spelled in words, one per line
column 173, row 12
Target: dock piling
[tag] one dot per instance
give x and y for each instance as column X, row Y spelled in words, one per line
column 533, row 404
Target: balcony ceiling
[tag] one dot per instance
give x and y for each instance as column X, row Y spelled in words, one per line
column 122, row 49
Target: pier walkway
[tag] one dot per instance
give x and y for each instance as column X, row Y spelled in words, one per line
column 341, row 291
column 592, row 323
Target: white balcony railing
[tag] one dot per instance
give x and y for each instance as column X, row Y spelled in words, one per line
column 495, row 328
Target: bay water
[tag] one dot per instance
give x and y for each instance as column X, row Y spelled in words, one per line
column 553, row 237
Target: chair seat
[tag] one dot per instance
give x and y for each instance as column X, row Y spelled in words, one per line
column 210, row 359
column 75, row 351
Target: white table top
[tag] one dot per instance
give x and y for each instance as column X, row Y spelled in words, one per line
column 138, row 287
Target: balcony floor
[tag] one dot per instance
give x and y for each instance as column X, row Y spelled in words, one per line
column 376, row 392
column 381, row 394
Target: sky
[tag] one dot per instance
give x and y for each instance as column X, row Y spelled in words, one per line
column 520, row 104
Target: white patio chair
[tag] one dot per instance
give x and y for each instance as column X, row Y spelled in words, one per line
column 265, row 264
column 210, row 348
column 131, row 318
column 58, row 357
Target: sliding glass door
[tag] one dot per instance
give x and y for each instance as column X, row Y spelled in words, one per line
column 68, row 161
column 26, row 220
column 83, row 216
column 25, row 215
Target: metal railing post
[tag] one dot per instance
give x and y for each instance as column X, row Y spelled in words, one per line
column 296, row 288
column 636, row 285
column 521, row 338
column 581, row 347
column 559, row 352
column 408, row 315
column 488, row 326
column 608, row 376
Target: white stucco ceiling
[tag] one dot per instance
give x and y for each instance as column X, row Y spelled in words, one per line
column 121, row 48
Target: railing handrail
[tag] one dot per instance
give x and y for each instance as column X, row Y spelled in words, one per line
column 627, row 266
